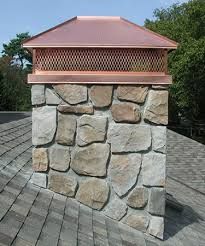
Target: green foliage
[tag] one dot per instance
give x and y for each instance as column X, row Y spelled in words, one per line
column 15, row 50
column 188, row 69
column 14, row 92
column 14, row 67
column 185, row 23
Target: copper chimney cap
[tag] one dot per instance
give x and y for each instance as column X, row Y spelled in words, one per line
column 99, row 31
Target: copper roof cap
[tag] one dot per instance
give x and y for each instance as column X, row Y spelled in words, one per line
column 99, row 31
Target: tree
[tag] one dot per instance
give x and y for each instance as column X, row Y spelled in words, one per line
column 16, row 52
column 185, row 23
column 14, row 92
column 14, row 67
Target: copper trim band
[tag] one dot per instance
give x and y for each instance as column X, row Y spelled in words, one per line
column 98, row 78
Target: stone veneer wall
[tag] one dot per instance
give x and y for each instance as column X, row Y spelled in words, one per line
column 105, row 146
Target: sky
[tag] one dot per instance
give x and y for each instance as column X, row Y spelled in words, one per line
column 35, row 16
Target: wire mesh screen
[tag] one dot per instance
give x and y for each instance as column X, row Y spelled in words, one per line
column 100, row 59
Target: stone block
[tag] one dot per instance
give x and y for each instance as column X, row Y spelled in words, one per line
column 116, row 209
column 91, row 129
column 91, row 160
column 66, row 129
column 51, row 97
column 76, row 109
column 43, row 124
column 62, row 183
column 156, row 227
column 93, row 192
column 132, row 237
column 138, row 197
column 71, row 93
column 160, row 87
column 137, row 221
column 129, row 138
column 101, row 95
column 156, row 205
column 154, row 169
column 59, row 157
column 40, row 159
column 156, row 110
column 39, row 179
column 124, row 170
column 132, row 93
column 38, row 94
column 125, row 112
column 159, row 138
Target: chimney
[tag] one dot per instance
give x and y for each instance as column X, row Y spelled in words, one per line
column 100, row 110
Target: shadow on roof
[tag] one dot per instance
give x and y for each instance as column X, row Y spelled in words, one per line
column 176, row 220
column 6, row 117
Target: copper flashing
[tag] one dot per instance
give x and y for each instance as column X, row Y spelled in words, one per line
column 101, row 78
column 99, row 31
column 99, row 49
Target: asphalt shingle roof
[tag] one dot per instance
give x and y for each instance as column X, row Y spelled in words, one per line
column 186, row 160
column 30, row 215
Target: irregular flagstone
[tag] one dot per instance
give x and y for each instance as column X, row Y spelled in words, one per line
column 116, row 209
column 78, row 109
column 38, row 94
column 138, row 197
column 93, row 192
column 40, row 159
column 156, row 205
column 162, row 87
column 137, row 221
column 130, row 236
column 91, row 129
column 159, row 136
column 83, row 124
column 39, row 179
column 125, row 112
column 51, row 97
column 43, row 124
column 124, row 170
column 132, row 93
column 62, row 183
column 71, row 93
column 129, row 138
column 156, row 227
column 101, row 95
column 59, row 157
column 156, row 109
column 91, row 160
column 154, row 169
column 66, row 129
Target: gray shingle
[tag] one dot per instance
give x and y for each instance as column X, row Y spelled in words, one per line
column 186, row 160
column 40, row 216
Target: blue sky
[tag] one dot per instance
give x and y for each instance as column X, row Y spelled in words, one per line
column 39, row 15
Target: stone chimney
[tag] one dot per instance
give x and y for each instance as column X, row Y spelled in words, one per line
column 99, row 118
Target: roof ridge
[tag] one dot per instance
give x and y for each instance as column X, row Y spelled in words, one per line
column 93, row 17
